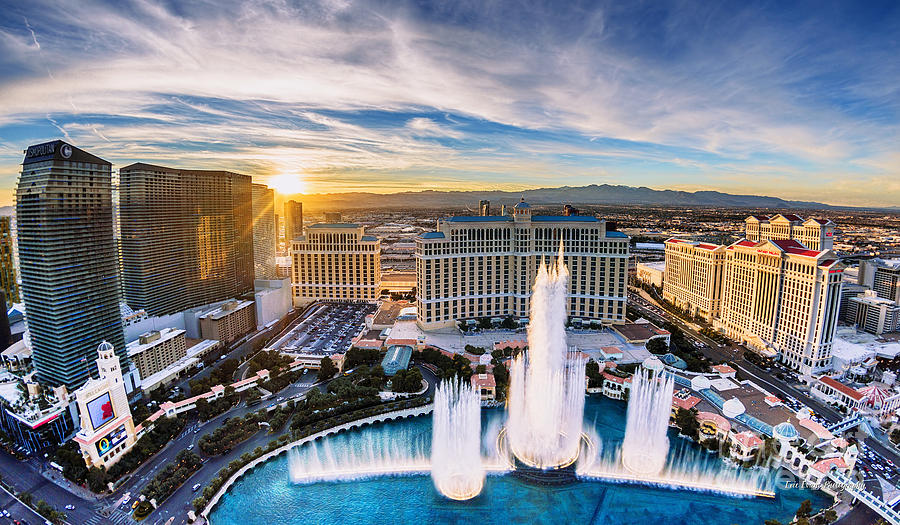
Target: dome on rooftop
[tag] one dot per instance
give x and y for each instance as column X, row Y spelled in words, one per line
column 700, row 382
column 733, row 408
column 653, row 363
column 785, row 431
column 523, row 204
column 106, row 346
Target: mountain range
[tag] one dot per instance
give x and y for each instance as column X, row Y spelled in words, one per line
column 575, row 195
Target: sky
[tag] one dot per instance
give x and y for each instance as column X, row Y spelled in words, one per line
column 789, row 99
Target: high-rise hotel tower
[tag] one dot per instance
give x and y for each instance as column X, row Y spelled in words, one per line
column 67, row 259
column 187, row 237
column 485, row 266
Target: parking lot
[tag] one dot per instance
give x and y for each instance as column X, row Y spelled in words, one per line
column 328, row 330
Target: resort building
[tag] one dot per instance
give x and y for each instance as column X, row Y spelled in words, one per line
column 154, row 351
column 651, row 273
column 815, row 234
column 874, row 314
column 68, row 260
column 693, row 277
column 883, row 276
column 782, row 298
column 264, row 233
column 107, row 429
column 187, row 237
column 229, row 321
column 335, row 262
column 484, row 267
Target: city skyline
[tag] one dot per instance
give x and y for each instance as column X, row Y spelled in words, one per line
column 795, row 103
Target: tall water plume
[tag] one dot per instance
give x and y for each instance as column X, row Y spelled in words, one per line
column 456, row 467
column 646, row 444
column 546, row 393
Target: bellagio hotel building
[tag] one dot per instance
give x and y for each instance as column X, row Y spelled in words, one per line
column 335, row 262
column 485, row 266
column 769, row 290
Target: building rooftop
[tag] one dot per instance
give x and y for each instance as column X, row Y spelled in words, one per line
column 842, row 388
column 396, row 358
column 326, row 225
column 638, row 331
column 149, row 341
column 225, row 309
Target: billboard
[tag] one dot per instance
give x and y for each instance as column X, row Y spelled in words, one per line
column 100, row 410
column 111, row 440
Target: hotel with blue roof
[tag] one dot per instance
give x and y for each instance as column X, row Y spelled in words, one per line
column 485, row 266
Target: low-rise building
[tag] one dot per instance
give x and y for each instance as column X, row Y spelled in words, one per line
column 228, row 322
column 154, row 351
column 641, row 332
column 485, row 385
column 834, row 392
column 651, row 273
column 745, row 445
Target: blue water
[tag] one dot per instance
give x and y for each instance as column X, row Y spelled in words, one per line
column 265, row 496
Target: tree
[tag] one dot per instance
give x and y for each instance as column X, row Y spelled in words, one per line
column 830, row 516
column 481, row 369
column 657, row 346
column 327, row 369
column 895, row 436
column 686, row 420
column 772, row 522
column 509, row 323
column 252, row 396
column 461, row 367
column 501, row 378
column 805, row 509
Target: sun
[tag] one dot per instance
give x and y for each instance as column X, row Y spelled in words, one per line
column 287, row 184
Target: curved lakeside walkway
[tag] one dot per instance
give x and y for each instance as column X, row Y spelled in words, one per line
column 359, row 423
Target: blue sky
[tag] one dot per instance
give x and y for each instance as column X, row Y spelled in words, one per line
column 798, row 101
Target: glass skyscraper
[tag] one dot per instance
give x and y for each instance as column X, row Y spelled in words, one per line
column 67, row 259
column 187, row 237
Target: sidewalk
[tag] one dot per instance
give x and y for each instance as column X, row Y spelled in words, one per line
column 63, row 483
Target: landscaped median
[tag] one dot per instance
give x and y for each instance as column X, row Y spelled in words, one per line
column 237, row 468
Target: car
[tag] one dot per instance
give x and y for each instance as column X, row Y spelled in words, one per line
column 5, row 513
column 191, row 446
column 135, row 504
column 195, row 488
column 70, row 507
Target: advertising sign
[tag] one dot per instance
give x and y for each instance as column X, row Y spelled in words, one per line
column 100, row 410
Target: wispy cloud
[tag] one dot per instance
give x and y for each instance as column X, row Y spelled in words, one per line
column 353, row 94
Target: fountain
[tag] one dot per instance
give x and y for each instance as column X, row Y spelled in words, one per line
column 456, row 466
column 646, row 442
column 370, row 456
column 546, row 394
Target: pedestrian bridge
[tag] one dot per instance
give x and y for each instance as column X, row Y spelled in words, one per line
column 867, row 498
column 842, row 426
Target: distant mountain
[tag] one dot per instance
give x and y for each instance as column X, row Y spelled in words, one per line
column 7, row 210
column 593, row 194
